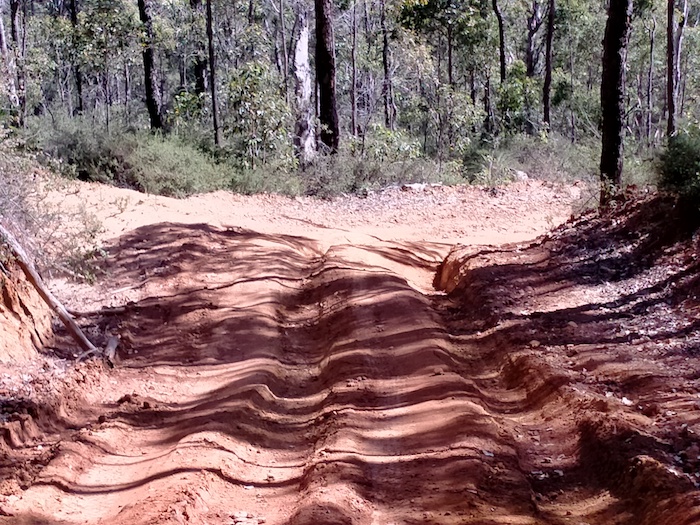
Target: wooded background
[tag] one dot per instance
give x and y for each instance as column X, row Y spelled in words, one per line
column 277, row 84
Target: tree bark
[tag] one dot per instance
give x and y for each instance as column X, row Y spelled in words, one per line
column 388, row 86
column 501, row 40
column 534, row 22
column 325, row 74
column 650, row 83
column 304, row 140
column 674, row 41
column 547, row 89
column 285, row 55
column 450, row 49
column 200, row 61
column 8, row 69
column 670, row 69
column 77, row 72
column 612, row 96
column 353, row 79
column 212, row 76
column 18, row 17
column 149, row 65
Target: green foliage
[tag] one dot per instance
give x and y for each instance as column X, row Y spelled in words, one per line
column 680, row 163
column 188, row 109
column 259, row 119
column 142, row 161
column 517, row 98
column 106, row 32
column 167, row 166
column 382, row 145
column 545, row 157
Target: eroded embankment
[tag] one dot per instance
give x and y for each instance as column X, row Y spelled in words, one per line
column 261, row 379
column 597, row 322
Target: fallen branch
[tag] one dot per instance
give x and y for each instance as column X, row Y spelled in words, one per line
column 33, row 277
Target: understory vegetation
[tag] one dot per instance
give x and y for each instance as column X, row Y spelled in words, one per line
column 59, row 238
column 181, row 164
column 680, row 164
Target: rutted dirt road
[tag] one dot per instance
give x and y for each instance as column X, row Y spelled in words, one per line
column 288, row 366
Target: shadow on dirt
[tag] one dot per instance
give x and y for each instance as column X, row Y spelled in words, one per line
column 309, row 351
column 604, row 307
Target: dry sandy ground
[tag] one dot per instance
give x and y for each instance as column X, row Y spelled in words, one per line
column 290, row 361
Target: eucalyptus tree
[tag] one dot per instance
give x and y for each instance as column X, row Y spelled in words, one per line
column 326, row 76
column 148, row 52
column 612, row 96
column 674, row 42
column 304, row 136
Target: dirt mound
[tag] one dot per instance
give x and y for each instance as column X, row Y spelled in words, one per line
column 25, row 320
column 598, row 322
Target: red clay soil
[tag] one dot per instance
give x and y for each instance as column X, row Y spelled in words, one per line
column 288, row 377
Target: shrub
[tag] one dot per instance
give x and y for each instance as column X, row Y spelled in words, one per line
column 133, row 159
column 170, row 167
column 680, row 163
column 56, row 236
column 546, row 157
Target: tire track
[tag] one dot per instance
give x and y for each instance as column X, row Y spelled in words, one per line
column 264, row 381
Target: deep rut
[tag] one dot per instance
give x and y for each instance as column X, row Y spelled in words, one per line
column 264, row 380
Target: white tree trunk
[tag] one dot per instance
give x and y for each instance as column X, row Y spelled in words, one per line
column 304, row 140
column 8, row 69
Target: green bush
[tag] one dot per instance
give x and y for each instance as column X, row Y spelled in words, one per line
column 170, row 167
column 133, row 159
column 680, row 163
column 549, row 157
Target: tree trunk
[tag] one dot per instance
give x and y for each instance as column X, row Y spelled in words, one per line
column 612, row 96
column 8, row 69
column 450, row 66
column 325, row 75
column 353, row 79
column 670, row 69
column 674, row 39
column 304, row 140
column 212, row 75
column 572, row 112
column 285, row 55
column 488, row 108
column 77, row 73
column 388, row 87
column 18, row 17
column 547, row 89
column 534, row 22
column 501, row 40
column 200, row 61
column 650, row 83
column 149, row 65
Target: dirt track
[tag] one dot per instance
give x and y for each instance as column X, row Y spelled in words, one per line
column 313, row 374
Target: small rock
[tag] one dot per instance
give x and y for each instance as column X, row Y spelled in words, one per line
column 535, row 344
